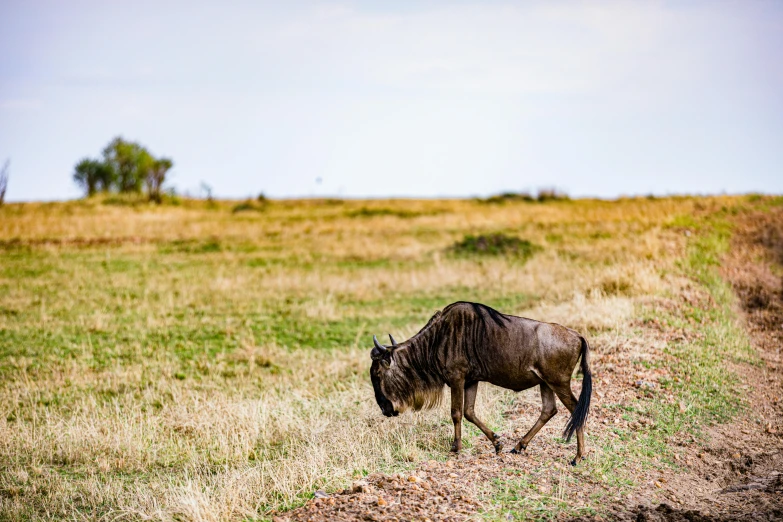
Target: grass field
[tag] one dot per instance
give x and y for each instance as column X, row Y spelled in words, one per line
column 209, row 360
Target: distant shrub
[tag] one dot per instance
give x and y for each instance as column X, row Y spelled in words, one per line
column 544, row 195
column 250, row 206
column 262, row 198
column 372, row 212
column 508, row 197
column 551, row 194
column 170, row 197
column 495, row 245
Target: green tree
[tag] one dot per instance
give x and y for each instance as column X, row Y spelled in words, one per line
column 93, row 176
column 156, row 176
column 126, row 167
column 129, row 161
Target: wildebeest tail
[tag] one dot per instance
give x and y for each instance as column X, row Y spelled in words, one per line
column 579, row 416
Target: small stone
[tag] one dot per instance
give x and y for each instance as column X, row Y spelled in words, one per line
column 736, row 455
column 320, row 494
column 360, row 486
column 452, row 475
column 381, row 502
column 414, row 478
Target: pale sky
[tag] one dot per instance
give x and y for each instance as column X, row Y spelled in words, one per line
column 386, row 99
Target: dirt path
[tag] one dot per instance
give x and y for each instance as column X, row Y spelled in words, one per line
column 738, row 475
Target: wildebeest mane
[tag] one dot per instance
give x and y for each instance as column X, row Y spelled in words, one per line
column 418, row 379
column 482, row 309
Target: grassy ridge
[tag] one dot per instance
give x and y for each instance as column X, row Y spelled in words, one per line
column 195, row 362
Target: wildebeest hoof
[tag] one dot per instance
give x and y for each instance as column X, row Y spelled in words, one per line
column 522, row 448
column 573, row 462
column 498, row 447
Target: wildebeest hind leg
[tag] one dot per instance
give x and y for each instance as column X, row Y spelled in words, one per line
column 548, row 410
column 568, row 399
column 470, row 401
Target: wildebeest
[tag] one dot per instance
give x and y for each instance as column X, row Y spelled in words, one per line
column 468, row 343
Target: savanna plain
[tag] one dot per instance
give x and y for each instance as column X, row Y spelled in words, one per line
column 208, row 360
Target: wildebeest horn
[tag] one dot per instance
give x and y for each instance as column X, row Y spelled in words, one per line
column 394, row 343
column 377, row 344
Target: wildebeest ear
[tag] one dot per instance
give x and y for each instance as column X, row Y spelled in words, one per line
column 394, row 343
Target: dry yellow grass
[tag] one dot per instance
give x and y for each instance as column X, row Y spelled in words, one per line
column 190, row 363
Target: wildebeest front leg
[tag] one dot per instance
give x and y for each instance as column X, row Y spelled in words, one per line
column 457, row 403
column 470, row 401
column 548, row 410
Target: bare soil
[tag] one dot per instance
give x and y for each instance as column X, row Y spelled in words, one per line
column 737, row 475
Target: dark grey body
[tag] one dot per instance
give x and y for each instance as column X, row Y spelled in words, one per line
column 520, row 367
column 469, row 343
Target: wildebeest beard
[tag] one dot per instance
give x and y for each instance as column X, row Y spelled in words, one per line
column 407, row 391
column 410, row 381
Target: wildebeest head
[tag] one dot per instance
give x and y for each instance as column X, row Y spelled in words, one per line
column 381, row 361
